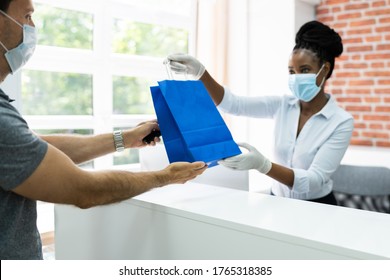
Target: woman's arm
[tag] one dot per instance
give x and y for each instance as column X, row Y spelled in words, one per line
column 326, row 160
column 187, row 64
column 324, row 164
column 282, row 174
column 215, row 90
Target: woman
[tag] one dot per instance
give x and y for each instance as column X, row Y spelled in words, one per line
column 311, row 132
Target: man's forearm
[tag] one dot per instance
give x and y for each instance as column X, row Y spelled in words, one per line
column 105, row 187
column 58, row 180
column 82, row 148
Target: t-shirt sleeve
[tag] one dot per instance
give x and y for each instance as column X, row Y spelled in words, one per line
column 21, row 151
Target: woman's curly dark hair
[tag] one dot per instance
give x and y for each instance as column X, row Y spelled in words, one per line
column 320, row 39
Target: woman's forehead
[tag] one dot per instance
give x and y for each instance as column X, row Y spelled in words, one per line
column 303, row 56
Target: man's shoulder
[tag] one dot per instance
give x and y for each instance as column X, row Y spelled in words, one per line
column 10, row 117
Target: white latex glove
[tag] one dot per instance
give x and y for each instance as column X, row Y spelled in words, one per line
column 185, row 64
column 245, row 161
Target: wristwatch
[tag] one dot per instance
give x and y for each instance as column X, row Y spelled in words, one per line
column 118, row 141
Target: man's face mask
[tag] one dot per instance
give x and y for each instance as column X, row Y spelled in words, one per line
column 304, row 86
column 19, row 56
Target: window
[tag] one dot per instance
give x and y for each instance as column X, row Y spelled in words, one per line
column 93, row 67
column 96, row 60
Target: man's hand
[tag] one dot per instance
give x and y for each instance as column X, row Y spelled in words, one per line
column 133, row 138
column 185, row 64
column 245, row 161
column 181, row 172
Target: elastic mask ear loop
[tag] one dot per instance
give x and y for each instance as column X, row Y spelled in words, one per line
column 9, row 17
column 323, row 79
column 6, row 15
column 0, row 41
column 4, row 46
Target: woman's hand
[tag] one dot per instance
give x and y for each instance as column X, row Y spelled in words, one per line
column 185, row 64
column 250, row 160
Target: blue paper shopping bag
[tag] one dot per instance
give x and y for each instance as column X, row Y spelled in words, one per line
column 190, row 124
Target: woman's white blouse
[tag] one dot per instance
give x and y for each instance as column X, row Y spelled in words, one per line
column 317, row 151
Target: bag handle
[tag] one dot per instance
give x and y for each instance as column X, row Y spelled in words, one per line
column 169, row 71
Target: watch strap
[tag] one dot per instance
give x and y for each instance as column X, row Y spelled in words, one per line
column 118, row 141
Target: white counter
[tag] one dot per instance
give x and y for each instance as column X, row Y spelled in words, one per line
column 197, row 221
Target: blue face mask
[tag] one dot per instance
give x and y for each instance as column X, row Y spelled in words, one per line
column 19, row 56
column 304, row 86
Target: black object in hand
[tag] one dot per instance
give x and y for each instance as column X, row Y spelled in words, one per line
column 150, row 137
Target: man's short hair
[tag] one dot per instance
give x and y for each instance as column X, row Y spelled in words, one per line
column 4, row 4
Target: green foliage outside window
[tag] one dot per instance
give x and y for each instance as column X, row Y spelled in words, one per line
column 63, row 28
column 132, row 96
column 138, row 38
column 51, row 93
column 128, row 156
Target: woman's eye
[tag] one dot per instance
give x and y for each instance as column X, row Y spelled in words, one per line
column 305, row 70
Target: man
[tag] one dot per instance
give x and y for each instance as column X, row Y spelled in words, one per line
column 44, row 168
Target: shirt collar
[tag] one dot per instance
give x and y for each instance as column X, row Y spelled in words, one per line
column 329, row 108
column 327, row 111
column 6, row 97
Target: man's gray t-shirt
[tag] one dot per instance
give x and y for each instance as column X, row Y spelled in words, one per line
column 20, row 154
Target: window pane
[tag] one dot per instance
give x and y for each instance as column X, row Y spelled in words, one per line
column 137, row 38
column 132, row 96
column 128, row 156
column 51, row 93
column 179, row 7
column 63, row 28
